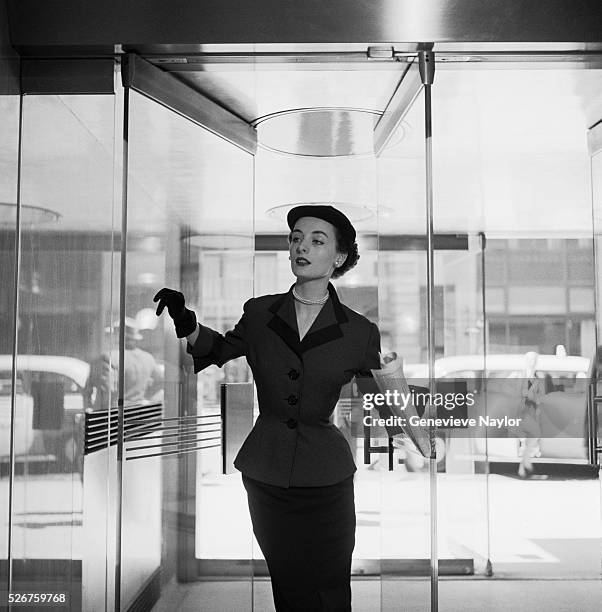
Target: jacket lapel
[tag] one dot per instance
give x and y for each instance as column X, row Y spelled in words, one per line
column 325, row 328
column 327, row 325
column 284, row 321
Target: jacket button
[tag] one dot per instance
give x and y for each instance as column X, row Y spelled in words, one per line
column 291, row 423
column 293, row 374
column 292, row 399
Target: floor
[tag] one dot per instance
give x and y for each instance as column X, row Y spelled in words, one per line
column 475, row 595
column 543, row 537
column 537, row 529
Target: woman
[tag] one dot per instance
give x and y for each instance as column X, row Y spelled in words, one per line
column 297, row 468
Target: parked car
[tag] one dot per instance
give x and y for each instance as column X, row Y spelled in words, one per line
column 49, row 408
column 562, row 408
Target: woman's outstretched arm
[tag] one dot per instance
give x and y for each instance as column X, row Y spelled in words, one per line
column 191, row 339
column 209, row 347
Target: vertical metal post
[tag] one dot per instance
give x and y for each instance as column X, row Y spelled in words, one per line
column 488, row 566
column 591, row 426
column 367, row 442
column 121, row 379
column 15, row 350
column 591, row 430
column 426, row 65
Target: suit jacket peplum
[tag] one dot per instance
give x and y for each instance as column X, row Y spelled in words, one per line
column 293, row 441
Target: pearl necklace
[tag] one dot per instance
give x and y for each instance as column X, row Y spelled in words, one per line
column 309, row 301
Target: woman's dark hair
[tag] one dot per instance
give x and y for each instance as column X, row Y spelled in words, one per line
column 345, row 245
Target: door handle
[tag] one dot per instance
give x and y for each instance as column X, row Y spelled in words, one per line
column 594, row 448
column 369, row 448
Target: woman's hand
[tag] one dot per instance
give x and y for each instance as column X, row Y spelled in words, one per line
column 183, row 318
column 173, row 300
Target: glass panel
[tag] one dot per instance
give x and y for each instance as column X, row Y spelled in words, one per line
column 65, row 300
column 400, row 499
column 190, row 228
column 595, row 417
column 462, row 486
column 511, row 161
column 348, row 183
column 536, row 300
column 9, row 158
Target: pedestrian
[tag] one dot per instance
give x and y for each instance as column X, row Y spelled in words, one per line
column 531, row 394
column 139, row 372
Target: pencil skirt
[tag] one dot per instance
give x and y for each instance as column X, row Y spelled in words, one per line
column 307, row 536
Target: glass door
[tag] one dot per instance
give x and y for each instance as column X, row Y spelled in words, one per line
column 511, row 169
column 432, row 306
column 66, row 295
column 503, row 285
column 462, row 293
column 10, row 113
column 406, row 247
column 326, row 154
column 594, row 412
column 306, row 155
column 187, row 225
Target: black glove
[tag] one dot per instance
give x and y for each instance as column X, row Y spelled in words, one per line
column 183, row 318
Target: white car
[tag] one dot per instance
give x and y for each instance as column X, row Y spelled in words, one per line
column 49, row 407
column 562, row 408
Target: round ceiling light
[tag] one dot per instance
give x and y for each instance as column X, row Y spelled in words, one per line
column 321, row 132
column 30, row 215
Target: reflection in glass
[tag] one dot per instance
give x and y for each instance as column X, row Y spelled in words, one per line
column 402, row 537
column 30, row 215
column 21, row 425
column 65, row 290
column 190, row 227
column 511, row 163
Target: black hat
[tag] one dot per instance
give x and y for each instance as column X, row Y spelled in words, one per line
column 328, row 213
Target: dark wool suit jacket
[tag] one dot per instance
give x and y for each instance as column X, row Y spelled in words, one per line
column 293, row 441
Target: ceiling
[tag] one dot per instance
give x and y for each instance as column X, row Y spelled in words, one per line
column 515, row 92
column 85, row 27
column 509, row 143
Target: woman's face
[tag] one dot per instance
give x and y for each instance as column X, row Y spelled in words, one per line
column 313, row 249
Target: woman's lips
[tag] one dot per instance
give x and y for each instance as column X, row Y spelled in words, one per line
column 301, row 261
